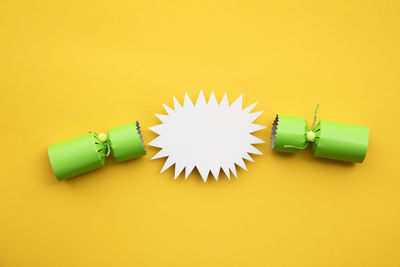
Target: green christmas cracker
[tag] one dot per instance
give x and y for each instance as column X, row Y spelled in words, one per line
column 332, row 140
column 89, row 152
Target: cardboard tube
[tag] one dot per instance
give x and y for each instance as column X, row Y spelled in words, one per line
column 126, row 141
column 288, row 134
column 341, row 141
column 76, row 156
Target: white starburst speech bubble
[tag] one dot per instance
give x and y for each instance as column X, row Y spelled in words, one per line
column 207, row 136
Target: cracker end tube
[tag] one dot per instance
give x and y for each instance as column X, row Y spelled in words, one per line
column 288, row 134
column 88, row 152
column 126, row 141
column 341, row 141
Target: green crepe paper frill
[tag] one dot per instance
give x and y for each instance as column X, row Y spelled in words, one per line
column 89, row 152
column 332, row 140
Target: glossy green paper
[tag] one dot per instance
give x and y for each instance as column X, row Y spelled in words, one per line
column 87, row 152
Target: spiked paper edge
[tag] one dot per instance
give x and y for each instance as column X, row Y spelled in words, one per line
column 225, row 101
column 274, row 131
column 139, row 132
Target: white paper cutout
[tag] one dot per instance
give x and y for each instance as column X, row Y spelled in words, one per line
column 208, row 136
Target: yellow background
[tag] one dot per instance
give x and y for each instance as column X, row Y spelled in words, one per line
column 67, row 67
